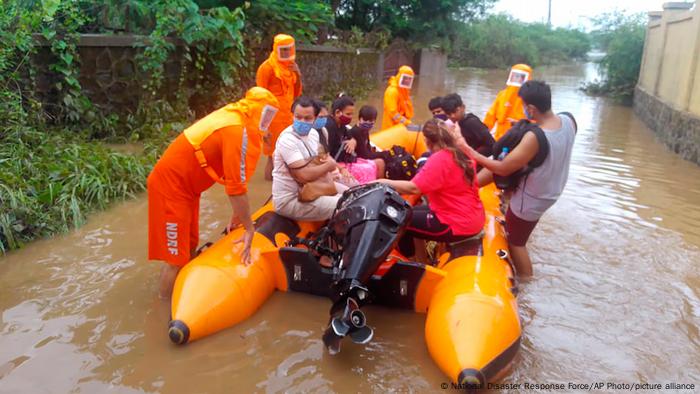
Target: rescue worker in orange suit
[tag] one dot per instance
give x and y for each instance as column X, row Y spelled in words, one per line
column 222, row 147
column 280, row 75
column 398, row 108
column 508, row 106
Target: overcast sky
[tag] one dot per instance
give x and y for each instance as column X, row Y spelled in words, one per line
column 571, row 12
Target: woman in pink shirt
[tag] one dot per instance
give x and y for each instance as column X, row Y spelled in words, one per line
column 454, row 211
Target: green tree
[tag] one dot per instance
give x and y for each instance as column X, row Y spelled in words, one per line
column 621, row 37
column 421, row 21
column 501, row 41
column 304, row 19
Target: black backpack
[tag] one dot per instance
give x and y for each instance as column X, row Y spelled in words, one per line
column 400, row 165
column 510, row 140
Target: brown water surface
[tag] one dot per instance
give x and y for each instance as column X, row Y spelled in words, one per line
column 615, row 297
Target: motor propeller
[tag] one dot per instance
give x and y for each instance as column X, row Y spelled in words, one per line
column 368, row 221
column 350, row 322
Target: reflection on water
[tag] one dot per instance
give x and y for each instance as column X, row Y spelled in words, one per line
column 616, row 296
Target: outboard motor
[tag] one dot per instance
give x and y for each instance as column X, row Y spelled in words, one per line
column 367, row 223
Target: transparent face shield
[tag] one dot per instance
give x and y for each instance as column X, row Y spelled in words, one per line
column 285, row 53
column 268, row 113
column 517, row 78
column 405, row 81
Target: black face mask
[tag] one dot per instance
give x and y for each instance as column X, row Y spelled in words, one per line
column 442, row 117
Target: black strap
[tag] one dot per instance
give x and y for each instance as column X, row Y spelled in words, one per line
column 570, row 116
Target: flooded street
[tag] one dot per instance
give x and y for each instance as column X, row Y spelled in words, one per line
column 615, row 296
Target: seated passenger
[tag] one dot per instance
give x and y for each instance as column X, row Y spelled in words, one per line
column 454, row 211
column 475, row 133
column 339, row 142
column 368, row 164
column 435, row 107
column 297, row 163
column 320, row 126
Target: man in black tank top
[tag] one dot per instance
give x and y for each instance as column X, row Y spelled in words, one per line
column 475, row 133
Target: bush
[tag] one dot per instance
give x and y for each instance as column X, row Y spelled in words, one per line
column 50, row 180
column 52, row 169
column 621, row 37
column 501, row 41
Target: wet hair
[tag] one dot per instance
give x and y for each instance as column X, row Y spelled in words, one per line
column 368, row 112
column 536, row 93
column 435, row 103
column 451, row 102
column 435, row 131
column 305, row 102
column 341, row 103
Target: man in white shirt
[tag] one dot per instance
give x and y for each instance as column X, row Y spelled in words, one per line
column 296, row 147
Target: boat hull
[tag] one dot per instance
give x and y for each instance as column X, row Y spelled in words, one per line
column 472, row 328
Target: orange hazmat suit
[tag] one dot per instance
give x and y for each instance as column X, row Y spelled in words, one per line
column 223, row 147
column 508, row 106
column 398, row 108
column 279, row 75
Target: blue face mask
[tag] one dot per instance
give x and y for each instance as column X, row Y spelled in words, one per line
column 320, row 123
column 302, row 128
column 525, row 111
column 442, row 117
column 366, row 125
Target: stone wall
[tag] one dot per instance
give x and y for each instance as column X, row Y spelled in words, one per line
column 109, row 74
column 111, row 78
column 326, row 70
column 679, row 130
column 667, row 97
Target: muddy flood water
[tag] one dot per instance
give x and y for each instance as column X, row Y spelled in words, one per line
column 615, row 297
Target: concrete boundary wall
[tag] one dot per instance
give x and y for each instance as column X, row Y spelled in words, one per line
column 667, row 96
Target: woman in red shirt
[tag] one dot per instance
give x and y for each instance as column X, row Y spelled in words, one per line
column 448, row 179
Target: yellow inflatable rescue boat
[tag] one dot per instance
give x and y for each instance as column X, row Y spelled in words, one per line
column 472, row 328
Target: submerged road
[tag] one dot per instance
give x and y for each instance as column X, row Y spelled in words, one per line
column 615, row 297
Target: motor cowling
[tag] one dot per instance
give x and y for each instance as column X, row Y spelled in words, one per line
column 368, row 222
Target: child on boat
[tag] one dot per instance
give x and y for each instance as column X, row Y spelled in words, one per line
column 435, row 107
column 367, row 164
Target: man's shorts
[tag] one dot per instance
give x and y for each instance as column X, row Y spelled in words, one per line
column 173, row 226
column 518, row 230
column 320, row 209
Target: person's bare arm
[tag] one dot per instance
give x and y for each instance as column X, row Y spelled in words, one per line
column 350, row 145
column 517, row 159
column 241, row 214
column 403, row 187
column 305, row 173
column 484, row 177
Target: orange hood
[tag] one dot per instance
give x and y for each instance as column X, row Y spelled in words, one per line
column 404, row 93
column 281, row 66
column 511, row 91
